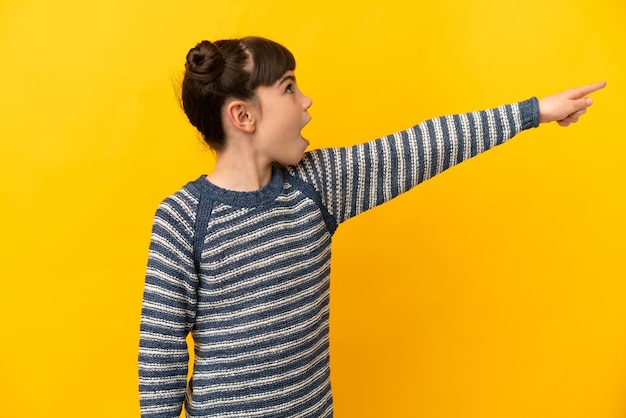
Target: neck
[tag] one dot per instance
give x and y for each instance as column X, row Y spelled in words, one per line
column 240, row 172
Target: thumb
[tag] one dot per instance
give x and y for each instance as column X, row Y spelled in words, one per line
column 581, row 104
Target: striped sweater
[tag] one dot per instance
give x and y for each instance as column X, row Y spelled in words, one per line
column 255, row 296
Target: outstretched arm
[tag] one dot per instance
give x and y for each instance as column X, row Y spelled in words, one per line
column 566, row 107
column 354, row 179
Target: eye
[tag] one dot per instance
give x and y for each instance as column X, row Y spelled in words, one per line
column 289, row 88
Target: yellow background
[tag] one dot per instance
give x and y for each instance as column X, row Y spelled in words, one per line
column 496, row 289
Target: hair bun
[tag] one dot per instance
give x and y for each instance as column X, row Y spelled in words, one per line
column 205, row 62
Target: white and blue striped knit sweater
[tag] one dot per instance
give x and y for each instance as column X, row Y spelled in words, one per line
column 257, row 303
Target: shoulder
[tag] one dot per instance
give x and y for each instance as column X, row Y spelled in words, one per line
column 180, row 207
column 316, row 164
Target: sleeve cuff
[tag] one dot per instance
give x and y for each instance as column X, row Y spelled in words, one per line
column 529, row 113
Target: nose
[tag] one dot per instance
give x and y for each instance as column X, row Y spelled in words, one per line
column 306, row 102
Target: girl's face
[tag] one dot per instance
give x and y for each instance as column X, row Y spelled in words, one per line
column 283, row 112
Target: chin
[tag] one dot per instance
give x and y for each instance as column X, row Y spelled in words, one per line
column 295, row 156
column 295, row 161
column 292, row 160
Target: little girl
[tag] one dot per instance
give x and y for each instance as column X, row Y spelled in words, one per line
column 241, row 257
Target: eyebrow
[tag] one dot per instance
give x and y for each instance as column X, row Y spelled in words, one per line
column 287, row 77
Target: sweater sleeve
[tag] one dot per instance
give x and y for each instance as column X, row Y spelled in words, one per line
column 168, row 311
column 354, row 179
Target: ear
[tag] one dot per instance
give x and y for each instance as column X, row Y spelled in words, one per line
column 240, row 114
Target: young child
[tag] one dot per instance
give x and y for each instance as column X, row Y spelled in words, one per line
column 241, row 257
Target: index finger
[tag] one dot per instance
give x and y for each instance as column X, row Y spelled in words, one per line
column 588, row 89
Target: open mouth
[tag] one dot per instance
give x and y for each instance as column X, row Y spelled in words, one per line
column 303, row 126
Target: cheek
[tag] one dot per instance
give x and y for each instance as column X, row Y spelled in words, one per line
column 287, row 126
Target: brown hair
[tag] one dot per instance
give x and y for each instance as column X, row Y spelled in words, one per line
column 230, row 68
